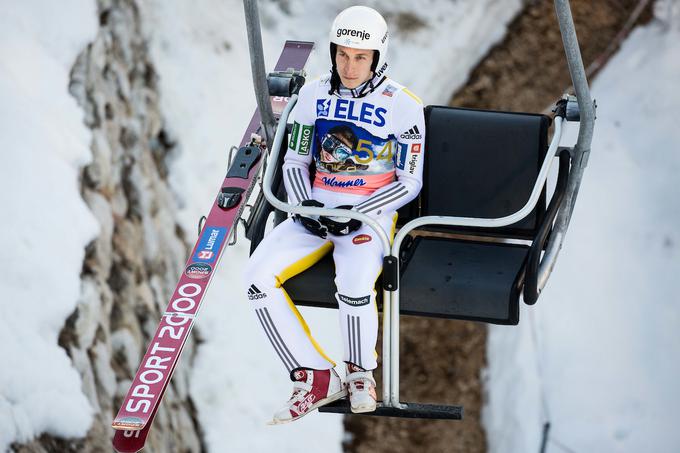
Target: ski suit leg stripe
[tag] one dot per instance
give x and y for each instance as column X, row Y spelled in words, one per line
column 266, row 331
column 384, row 201
column 276, row 332
column 279, row 341
column 349, row 340
column 266, row 270
column 353, row 335
column 276, row 341
column 306, row 329
column 359, row 340
column 357, row 353
column 354, row 339
column 291, row 271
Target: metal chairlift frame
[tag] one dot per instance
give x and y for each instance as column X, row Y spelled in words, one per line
column 274, row 134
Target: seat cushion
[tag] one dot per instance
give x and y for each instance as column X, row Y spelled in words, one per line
column 443, row 278
column 463, row 280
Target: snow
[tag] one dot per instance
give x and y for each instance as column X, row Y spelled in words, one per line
column 602, row 343
column 200, row 53
column 45, row 223
column 603, row 340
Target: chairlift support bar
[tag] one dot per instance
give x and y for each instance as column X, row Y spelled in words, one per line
column 581, row 151
column 391, row 298
column 264, row 106
column 461, row 221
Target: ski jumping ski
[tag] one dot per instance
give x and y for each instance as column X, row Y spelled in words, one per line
column 142, row 401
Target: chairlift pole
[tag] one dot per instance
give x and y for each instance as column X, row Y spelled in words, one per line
column 581, row 151
column 264, row 106
column 580, row 159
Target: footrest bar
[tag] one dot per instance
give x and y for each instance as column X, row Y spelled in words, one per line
column 408, row 410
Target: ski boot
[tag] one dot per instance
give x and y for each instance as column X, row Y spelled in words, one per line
column 361, row 387
column 311, row 389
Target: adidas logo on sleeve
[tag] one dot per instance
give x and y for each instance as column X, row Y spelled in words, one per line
column 412, row 134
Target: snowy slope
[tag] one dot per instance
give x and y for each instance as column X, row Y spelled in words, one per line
column 200, row 53
column 45, row 224
column 607, row 324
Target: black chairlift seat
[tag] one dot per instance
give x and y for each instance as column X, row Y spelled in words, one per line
column 479, row 164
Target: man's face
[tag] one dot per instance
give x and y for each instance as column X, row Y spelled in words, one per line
column 354, row 65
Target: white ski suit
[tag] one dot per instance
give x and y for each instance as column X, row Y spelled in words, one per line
column 368, row 153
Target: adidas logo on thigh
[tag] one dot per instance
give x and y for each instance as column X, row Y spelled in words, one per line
column 254, row 293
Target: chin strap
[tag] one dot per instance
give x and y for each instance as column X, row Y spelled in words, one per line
column 361, row 91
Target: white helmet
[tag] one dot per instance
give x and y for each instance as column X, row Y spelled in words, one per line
column 361, row 27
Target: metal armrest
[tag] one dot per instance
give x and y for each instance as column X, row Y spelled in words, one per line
column 531, row 288
column 496, row 222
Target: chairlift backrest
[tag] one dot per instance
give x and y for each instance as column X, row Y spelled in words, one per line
column 477, row 164
column 483, row 164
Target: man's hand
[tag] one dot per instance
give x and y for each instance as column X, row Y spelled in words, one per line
column 312, row 223
column 340, row 226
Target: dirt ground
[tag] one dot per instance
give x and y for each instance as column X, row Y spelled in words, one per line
column 442, row 360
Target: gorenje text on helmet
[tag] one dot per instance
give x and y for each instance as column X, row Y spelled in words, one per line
column 363, row 34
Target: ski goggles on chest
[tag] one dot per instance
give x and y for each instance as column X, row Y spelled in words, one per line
column 331, row 143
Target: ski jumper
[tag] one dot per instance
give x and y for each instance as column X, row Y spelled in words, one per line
column 368, row 153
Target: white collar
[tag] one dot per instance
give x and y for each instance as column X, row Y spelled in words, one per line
column 362, row 90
